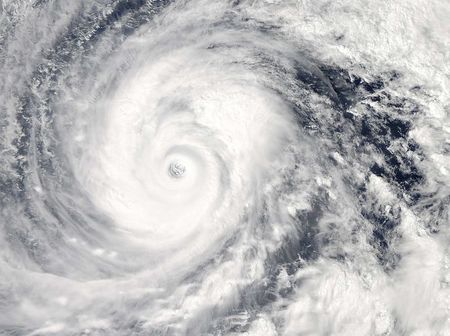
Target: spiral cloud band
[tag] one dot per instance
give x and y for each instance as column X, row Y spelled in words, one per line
column 199, row 167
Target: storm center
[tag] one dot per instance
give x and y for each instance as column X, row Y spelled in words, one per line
column 176, row 169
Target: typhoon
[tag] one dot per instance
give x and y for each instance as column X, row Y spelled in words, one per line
column 224, row 167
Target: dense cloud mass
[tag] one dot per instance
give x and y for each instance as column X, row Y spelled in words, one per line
column 203, row 167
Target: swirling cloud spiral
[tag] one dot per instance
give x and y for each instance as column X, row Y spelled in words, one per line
column 224, row 168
